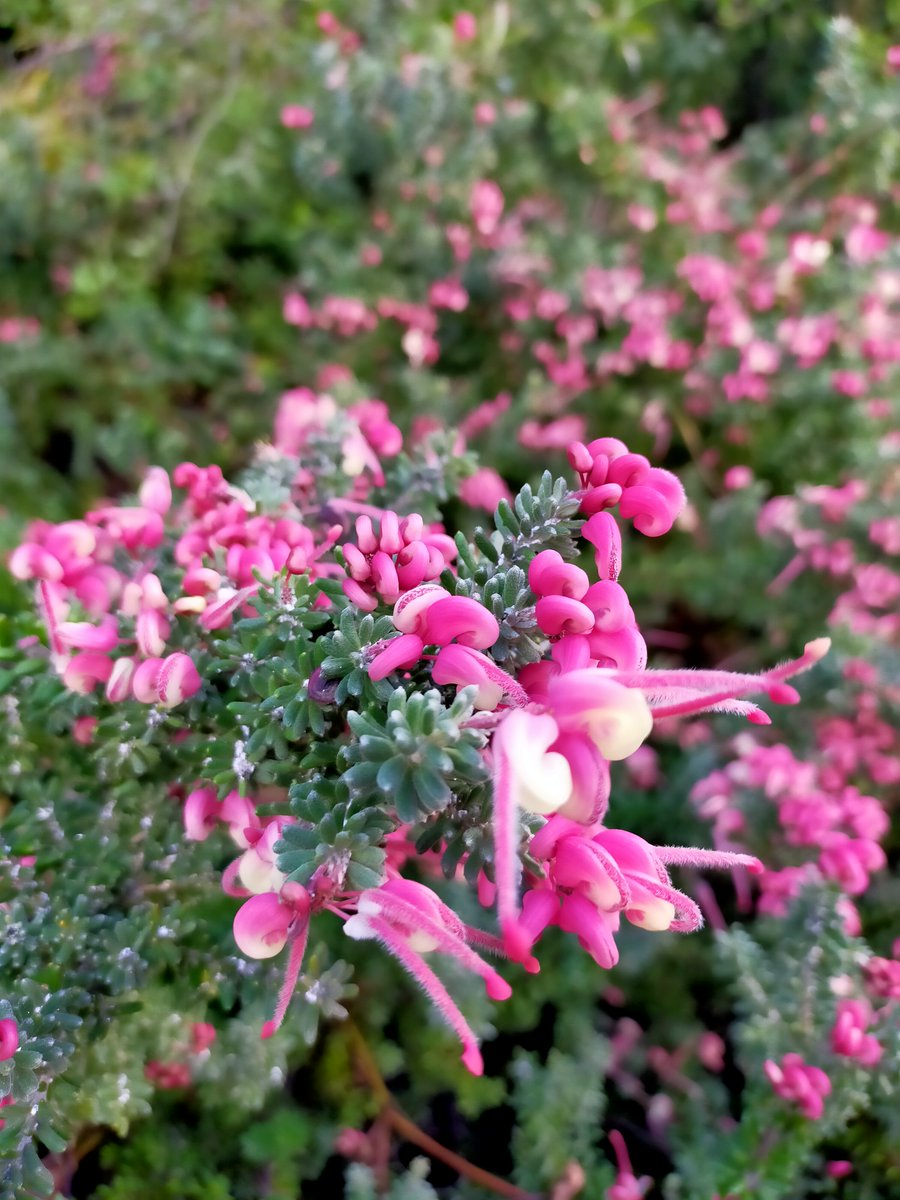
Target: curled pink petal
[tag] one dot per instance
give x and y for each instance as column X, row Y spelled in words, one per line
column 410, row 609
column 558, row 615
column 652, row 514
column 549, row 574
column 119, row 684
column 178, row 680
column 603, row 533
column 462, row 619
column 200, row 814
column 400, row 652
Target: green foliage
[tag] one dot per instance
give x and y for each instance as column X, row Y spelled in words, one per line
column 419, row 757
column 559, row 1109
column 339, row 835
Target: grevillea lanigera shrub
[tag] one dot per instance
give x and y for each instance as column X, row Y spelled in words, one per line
column 252, row 728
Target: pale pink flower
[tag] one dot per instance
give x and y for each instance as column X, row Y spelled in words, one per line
column 485, row 488
column 297, row 116
column 465, row 27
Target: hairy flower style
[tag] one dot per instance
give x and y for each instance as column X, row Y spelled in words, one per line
column 627, row 1186
column 409, row 920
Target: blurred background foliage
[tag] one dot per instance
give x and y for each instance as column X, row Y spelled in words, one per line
column 153, row 209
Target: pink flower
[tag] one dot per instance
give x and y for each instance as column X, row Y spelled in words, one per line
column 485, row 488
column 200, row 814
column 883, row 977
column 465, row 27
column 84, row 671
column 169, row 1076
column 627, row 1186
column 166, row 681
column 594, row 876
column 449, row 294
column 83, row 730
column 465, row 667
column 460, row 619
column 297, row 116
column 296, row 311
column 203, row 1035
column 486, row 206
column 610, row 476
column 9, row 1038
column 550, row 575
column 803, row 1085
column 397, row 558
column 738, row 478
column 555, row 435
column 261, row 925
column 849, row 1037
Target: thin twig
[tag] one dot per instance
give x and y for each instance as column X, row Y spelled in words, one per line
column 406, row 1128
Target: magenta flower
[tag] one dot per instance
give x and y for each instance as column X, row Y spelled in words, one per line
column 610, row 475
column 200, row 814
column 166, row 681
column 398, row 558
column 296, row 116
column 595, row 876
column 465, row 27
column 156, row 491
column 261, row 925
column 803, row 1085
column 627, row 1186
column 429, row 615
column 485, row 488
column 465, row 667
column 849, row 1036
column 264, row 925
column 9, row 1038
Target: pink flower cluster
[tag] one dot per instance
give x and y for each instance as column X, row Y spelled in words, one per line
column 850, row 1037
column 369, row 435
column 554, row 727
column 382, row 566
column 610, row 476
column 801, row 1084
column 832, row 535
column 109, row 619
column 175, row 1074
column 819, row 806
